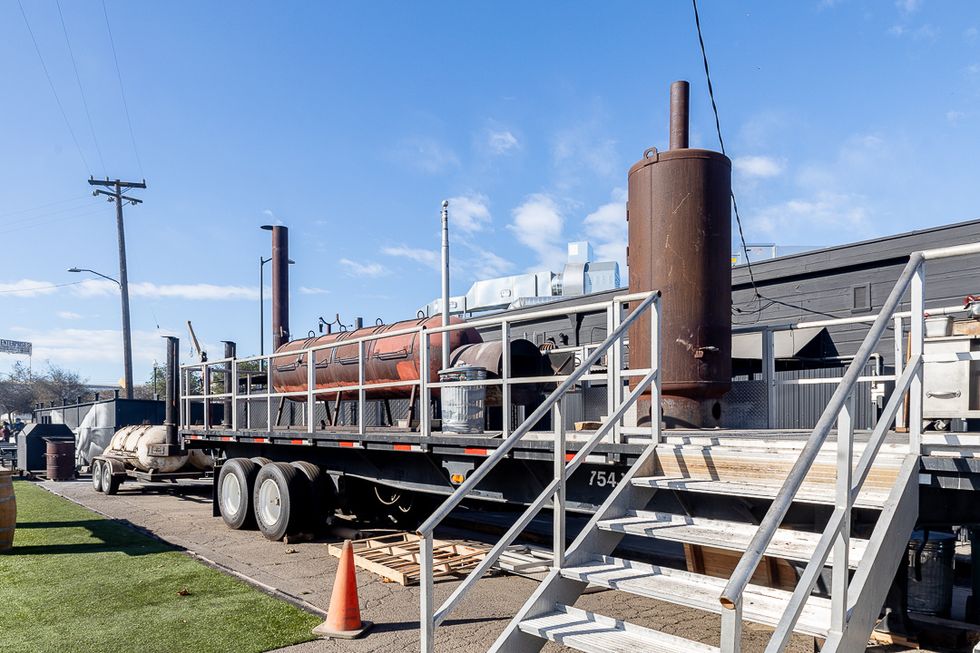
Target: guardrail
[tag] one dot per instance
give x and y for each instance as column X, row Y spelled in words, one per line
column 850, row 479
column 555, row 489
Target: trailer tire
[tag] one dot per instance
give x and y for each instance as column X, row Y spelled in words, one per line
column 110, row 480
column 280, row 499
column 319, row 501
column 260, row 461
column 235, row 484
column 97, row 475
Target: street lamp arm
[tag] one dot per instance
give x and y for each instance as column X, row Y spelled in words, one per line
column 98, row 274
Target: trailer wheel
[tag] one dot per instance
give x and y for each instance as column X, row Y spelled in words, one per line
column 280, row 499
column 320, row 502
column 97, row 475
column 235, row 483
column 110, row 481
column 260, row 461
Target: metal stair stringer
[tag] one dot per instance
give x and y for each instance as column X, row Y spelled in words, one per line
column 555, row 588
column 873, row 577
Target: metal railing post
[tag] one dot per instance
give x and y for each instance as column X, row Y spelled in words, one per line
column 616, row 350
column 234, row 394
column 610, row 362
column 268, row 393
column 731, row 628
column 360, row 387
column 206, row 383
column 917, row 330
column 310, row 388
column 505, row 372
column 425, row 394
column 184, row 405
column 426, row 622
column 899, row 348
column 655, row 409
column 769, row 374
column 558, row 505
column 843, row 501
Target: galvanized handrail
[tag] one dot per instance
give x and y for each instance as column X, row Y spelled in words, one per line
column 430, row 620
column 836, row 535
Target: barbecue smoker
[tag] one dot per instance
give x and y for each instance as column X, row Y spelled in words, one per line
column 679, row 216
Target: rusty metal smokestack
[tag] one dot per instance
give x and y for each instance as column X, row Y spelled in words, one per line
column 172, row 391
column 280, row 286
column 680, row 93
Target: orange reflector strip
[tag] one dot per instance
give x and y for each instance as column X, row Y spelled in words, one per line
column 403, row 447
column 297, row 441
column 569, row 456
column 346, row 444
column 227, row 438
column 475, row 452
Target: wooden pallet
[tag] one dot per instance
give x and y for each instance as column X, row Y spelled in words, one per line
column 396, row 557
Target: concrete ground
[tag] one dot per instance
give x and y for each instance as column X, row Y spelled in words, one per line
column 303, row 572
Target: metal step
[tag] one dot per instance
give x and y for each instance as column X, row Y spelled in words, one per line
column 873, row 498
column 761, row 605
column 720, row 534
column 595, row 633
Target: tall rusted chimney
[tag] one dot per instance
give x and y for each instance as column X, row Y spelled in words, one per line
column 280, row 286
column 680, row 93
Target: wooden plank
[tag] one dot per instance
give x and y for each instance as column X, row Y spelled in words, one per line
column 397, row 556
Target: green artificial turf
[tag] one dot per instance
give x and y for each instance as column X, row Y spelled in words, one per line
column 75, row 581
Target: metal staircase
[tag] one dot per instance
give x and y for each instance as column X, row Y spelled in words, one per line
column 828, row 468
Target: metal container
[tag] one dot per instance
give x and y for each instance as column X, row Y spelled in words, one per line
column 138, row 446
column 679, row 218
column 931, row 572
column 939, row 326
column 525, row 360
column 386, row 360
column 60, row 455
column 463, row 407
column 8, row 510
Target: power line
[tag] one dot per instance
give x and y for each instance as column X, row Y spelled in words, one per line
column 42, row 223
column 48, row 287
column 51, row 84
column 122, row 90
column 78, row 79
column 42, row 206
column 738, row 220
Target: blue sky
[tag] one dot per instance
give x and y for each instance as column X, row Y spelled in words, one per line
column 351, row 122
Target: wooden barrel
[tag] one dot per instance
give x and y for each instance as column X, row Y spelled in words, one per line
column 8, row 510
column 60, row 456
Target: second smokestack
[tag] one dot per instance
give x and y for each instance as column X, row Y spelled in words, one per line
column 280, row 286
column 680, row 93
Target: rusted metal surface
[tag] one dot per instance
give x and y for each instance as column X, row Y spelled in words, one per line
column 680, row 93
column 280, row 286
column 60, row 455
column 525, row 360
column 679, row 215
column 386, row 360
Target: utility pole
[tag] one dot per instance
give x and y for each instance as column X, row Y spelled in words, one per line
column 117, row 196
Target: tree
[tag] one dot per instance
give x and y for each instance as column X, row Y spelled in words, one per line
column 21, row 390
column 17, row 392
column 155, row 385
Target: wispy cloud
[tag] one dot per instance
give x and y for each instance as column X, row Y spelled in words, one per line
column 537, row 224
column 68, row 315
column 502, row 141
column 356, row 269
column 309, row 290
column 426, row 155
column 758, row 167
column 925, row 32
column 427, row 257
column 607, row 230
column 469, row 213
column 70, row 347
column 794, row 220
column 193, row 291
column 27, row 288
column 908, row 6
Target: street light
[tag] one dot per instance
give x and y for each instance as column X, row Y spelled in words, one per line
column 127, row 335
column 262, row 262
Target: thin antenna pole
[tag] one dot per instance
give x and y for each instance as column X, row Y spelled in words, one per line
column 445, row 282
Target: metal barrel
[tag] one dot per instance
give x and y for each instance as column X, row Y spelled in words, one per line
column 930, row 574
column 8, row 510
column 463, row 407
column 60, row 456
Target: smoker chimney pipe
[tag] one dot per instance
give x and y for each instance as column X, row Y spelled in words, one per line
column 680, row 93
column 280, row 286
column 230, row 351
column 172, row 390
column 445, row 283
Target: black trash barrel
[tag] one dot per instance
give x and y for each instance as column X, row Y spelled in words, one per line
column 931, row 572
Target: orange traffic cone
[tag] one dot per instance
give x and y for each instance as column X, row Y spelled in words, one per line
column 344, row 616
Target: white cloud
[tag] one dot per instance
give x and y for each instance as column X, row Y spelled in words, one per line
column 70, row 347
column 970, row 33
column 538, row 224
column 484, row 264
column 308, row 290
column 469, row 213
column 606, row 229
column 502, row 141
column 426, row 257
column 953, row 117
column 193, row 291
column 798, row 220
column 355, row 269
column 908, row 6
column 27, row 288
column 759, row 167
column 426, row 154
column 68, row 315
column 925, row 32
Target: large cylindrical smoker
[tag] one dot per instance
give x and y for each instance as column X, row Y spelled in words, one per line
column 386, row 360
column 679, row 215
